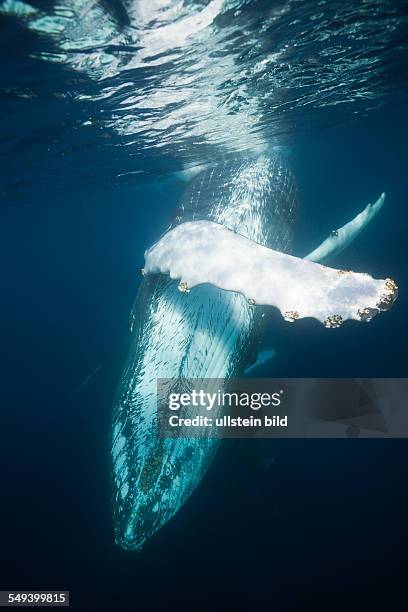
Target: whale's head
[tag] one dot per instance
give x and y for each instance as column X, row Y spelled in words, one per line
column 157, row 478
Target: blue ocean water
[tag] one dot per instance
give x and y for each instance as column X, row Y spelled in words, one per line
column 102, row 111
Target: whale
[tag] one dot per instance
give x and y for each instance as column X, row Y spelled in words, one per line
column 207, row 334
column 207, row 327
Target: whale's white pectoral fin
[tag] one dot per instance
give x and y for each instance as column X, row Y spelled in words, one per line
column 340, row 238
column 200, row 252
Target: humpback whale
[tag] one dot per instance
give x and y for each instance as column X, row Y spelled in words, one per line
column 208, row 333
column 195, row 318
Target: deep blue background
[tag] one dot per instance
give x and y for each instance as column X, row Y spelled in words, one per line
column 326, row 525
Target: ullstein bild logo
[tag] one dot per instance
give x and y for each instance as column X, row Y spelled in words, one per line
column 302, row 407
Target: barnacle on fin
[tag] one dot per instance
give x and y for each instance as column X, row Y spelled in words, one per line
column 291, row 315
column 333, row 321
column 183, row 287
column 387, row 299
column 391, row 285
column 251, row 302
column 366, row 314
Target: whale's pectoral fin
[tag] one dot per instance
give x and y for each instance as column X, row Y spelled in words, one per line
column 340, row 238
column 262, row 358
column 205, row 252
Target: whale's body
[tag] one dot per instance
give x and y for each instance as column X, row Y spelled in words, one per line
column 209, row 333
